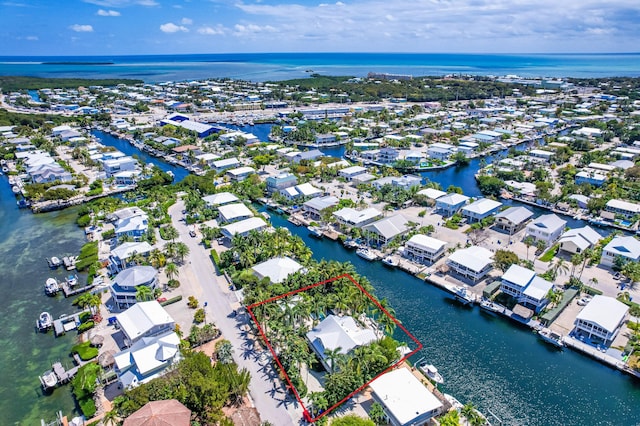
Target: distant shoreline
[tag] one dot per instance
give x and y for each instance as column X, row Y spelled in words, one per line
column 77, row 63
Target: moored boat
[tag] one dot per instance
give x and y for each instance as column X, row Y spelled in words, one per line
column 462, row 295
column 315, row 231
column 44, row 321
column 51, row 287
column 453, row 401
column 367, row 254
column 72, row 280
column 349, row 243
column 552, row 337
column 390, row 261
column 490, row 306
column 54, row 262
column 432, row 373
column 48, row 380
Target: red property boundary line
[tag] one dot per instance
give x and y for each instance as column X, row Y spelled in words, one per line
column 306, row 414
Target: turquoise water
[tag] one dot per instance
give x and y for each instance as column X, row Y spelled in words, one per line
column 281, row 66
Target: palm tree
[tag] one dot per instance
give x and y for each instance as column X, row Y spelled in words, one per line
column 170, row 249
column 110, row 418
column 171, row 233
column 576, row 259
column 143, row 293
column 182, row 251
column 587, row 255
column 157, row 258
column 171, row 270
column 528, row 241
column 331, row 355
column 559, row 267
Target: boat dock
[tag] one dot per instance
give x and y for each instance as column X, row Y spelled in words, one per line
column 69, row 262
column 68, row 291
column 66, row 323
column 58, row 375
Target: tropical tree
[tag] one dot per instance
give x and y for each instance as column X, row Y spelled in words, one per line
column 331, row 355
column 528, row 241
column 170, row 233
column 376, row 413
column 143, row 293
column 224, row 352
column 182, row 251
column 110, row 418
column 171, row 271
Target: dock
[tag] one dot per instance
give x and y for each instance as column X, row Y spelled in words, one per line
column 68, row 291
column 66, row 323
column 69, row 262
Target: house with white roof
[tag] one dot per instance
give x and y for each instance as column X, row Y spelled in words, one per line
column 513, row 219
column 121, row 256
column 241, row 173
column 480, row 209
column 280, row 182
column 405, row 400
column 277, row 269
column 220, row 199
column 134, row 224
column 601, row 319
column 224, row 164
column 526, row 287
column 316, row 206
column 123, row 286
column 432, row 193
column 233, row 213
column 449, row 204
column 547, row 228
column 626, row 247
column 623, row 208
column 304, row 190
column 591, row 177
column 243, row 227
column 541, row 154
column 336, row 332
column 350, row 172
column 147, row 359
column 577, row 240
column 144, row 319
column 113, row 166
column 424, row 249
column 385, row 230
column 348, row 216
column 472, row 262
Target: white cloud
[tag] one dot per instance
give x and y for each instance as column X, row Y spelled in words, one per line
column 219, row 30
column 186, row 21
column 32, row 38
column 122, row 3
column 252, row 29
column 79, row 28
column 103, row 12
column 170, row 27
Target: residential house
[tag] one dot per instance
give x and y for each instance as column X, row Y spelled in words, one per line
column 144, row 319
column 385, row 230
column 121, row 256
column 348, row 216
column 167, row 411
column 132, row 222
column 113, row 166
column 282, row 181
column 627, row 248
column 350, row 172
column 324, row 139
column 472, row 262
column 449, row 204
column 123, row 286
column 601, row 319
column 591, row 177
column 431, row 193
column 547, row 228
column 47, row 173
column 577, row 240
column 526, row 287
column 241, row 173
column 243, row 227
column 277, row 269
column 388, row 155
column 220, row 199
column 541, row 154
column 480, row 209
column 316, row 206
column 624, row 208
column 513, row 219
column 406, row 181
column 230, row 213
column 424, row 249
column 224, row 164
column 310, row 155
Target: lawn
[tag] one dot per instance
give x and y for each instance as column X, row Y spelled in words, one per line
column 548, row 255
column 85, row 351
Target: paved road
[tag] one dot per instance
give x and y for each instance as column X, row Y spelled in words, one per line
column 199, row 277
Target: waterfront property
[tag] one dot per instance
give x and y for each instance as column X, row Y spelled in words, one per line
column 385, row 230
column 123, row 287
column 241, row 173
column 424, row 249
column 472, row 263
column 627, row 248
column 169, row 412
column 601, row 319
column 280, row 182
column 230, row 213
column 277, row 269
column 526, row 287
column 144, row 319
column 513, row 219
column 243, row 227
column 350, row 172
column 450, row 204
column 480, row 209
column 226, row 163
column 121, row 256
column 220, row 199
column 338, row 333
column 546, row 228
column 578, row 240
column 130, row 221
column 405, row 400
column 317, row 206
column 348, row 216
column 624, row 208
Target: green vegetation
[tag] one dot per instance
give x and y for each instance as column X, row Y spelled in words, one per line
column 454, row 221
column 87, row 325
column 85, row 351
column 170, row 301
column 193, row 302
column 201, row 335
column 549, row 254
column 351, row 420
column 503, row 259
column 88, row 255
column 32, row 121
column 84, row 386
column 199, row 316
column 16, row 83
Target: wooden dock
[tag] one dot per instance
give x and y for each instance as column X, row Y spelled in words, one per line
column 66, row 323
column 68, row 291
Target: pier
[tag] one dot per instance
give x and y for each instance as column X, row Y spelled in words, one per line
column 68, row 291
column 66, row 323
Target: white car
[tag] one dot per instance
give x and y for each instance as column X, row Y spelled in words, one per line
column 584, row 300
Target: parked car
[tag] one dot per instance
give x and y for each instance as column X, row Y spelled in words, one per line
column 192, row 233
column 583, row 301
column 617, row 276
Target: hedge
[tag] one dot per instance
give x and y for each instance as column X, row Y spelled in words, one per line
column 170, row 301
column 85, row 351
column 215, row 258
column 86, row 326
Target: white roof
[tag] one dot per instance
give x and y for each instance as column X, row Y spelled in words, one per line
column 582, row 237
column 551, row 222
column 322, row 202
column 475, row 258
column 226, row 162
column 142, row 317
column 220, row 198
column 352, row 170
column 482, row 206
column 276, row 269
column 453, row 199
column 126, row 250
column 234, row 211
column 404, row 397
column 339, row 332
column 624, row 205
column 354, row 216
column 538, row 288
column 624, row 246
column 518, row 275
column 426, row 242
column 605, row 311
column 307, row 190
column 243, row 226
column 432, row 193
column 516, row 215
column 389, row 227
column 241, row 171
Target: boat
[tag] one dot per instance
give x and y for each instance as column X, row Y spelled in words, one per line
column 462, row 295
column 367, row 254
column 432, row 373
column 315, row 231
column 349, row 243
column 72, row 280
column 390, row 261
column 265, row 215
column 170, row 173
column 51, row 287
column 552, row 337
column 54, row 262
column 48, row 380
column 15, row 189
column 453, row 401
column 490, row 306
column 45, row 321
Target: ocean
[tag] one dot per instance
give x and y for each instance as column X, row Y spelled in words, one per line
column 260, row 67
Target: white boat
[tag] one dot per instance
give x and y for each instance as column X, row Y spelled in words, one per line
column 51, row 287
column 15, row 189
column 54, row 262
column 49, row 379
column 461, row 294
column 315, row 231
column 367, row 254
column 432, row 373
column 72, row 280
column 390, row 261
column 349, row 243
column 552, row 337
column 490, row 306
column 170, row 173
column 453, row 401
column 45, row 320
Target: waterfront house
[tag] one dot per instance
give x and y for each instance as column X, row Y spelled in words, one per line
column 601, row 319
column 480, row 209
column 47, row 173
column 578, row 240
column 432, row 193
column 133, row 222
column 224, row 164
column 342, row 333
column 350, row 172
column 241, row 173
column 316, row 206
column 113, row 166
column 121, row 256
column 220, row 199
column 385, row 230
column 424, row 249
column 591, row 177
column 207, row 159
column 243, row 227
column 144, row 319
column 406, row 181
column 277, row 269
column 449, row 204
column 388, row 155
column 405, row 400
column 526, row 287
column 541, row 154
column 230, row 213
column 281, row 181
column 348, row 216
column 627, row 248
column 513, row 219
column 158, row 413
column 123, row 286
column 546, row 228
column 624, row 208
column 472, row 262
column 311, row 155
column 324, row 139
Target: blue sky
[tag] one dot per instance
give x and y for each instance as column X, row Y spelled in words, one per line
column 122, row 27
